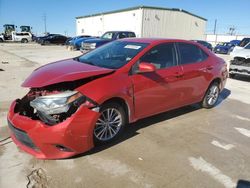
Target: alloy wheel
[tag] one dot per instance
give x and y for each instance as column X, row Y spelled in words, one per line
column 108, row 124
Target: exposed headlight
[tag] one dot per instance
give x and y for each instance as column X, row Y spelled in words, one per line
column 57, row 103
column 92, row 45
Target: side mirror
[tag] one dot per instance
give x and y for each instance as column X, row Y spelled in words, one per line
column 146, row 67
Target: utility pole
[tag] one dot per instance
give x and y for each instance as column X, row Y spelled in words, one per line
column 215, row 26
column 45, row 23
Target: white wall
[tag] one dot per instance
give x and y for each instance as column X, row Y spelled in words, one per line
column 215, row 39
column 172, row 24
column 97, row 25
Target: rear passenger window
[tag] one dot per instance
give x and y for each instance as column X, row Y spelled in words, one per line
column 161, row 56
column 190, row 53
column 131, row 35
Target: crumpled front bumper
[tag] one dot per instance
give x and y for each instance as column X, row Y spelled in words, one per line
column 68, row 138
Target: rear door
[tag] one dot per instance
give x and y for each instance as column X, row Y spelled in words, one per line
column 158, row 91
column 197, row 72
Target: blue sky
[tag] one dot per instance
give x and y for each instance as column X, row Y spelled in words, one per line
column 61, row 14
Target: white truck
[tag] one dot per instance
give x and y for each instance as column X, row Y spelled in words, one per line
column 23, row 37
column 240, row 65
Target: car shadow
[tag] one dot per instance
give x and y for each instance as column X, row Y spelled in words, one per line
column 132, row 129
column 223, row 95
column 243, row 184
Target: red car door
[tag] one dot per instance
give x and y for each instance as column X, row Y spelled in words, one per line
column 157, row 91
column 197, row 67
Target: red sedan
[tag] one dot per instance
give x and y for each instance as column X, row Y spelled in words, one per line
column 76, row 103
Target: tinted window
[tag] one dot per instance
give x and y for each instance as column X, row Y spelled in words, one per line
column 162, row 56
column 122, row 35
column 190, row 53
column 131, row 35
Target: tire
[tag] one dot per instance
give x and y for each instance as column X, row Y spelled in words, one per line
column 211, row 97
column 105, row 131
column 24, row 41
column 1, row 40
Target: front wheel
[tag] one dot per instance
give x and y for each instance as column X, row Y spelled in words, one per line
column 24, row 41
column 110, row 123
column 211, row 97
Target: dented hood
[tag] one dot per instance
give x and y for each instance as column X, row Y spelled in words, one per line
column 62, row 71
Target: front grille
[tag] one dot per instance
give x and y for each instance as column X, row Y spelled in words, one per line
column 86, row 46
column 22, row 136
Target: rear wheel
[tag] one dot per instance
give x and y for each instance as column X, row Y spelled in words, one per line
column 211, row 97
column 110, row 123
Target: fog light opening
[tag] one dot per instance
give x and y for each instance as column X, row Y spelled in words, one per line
column 63, row 148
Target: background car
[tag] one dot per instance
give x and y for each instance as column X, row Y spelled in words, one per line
column 54, row 39
column 77, row 103
column 204, row 43
column 107, row 37
column 75, row 44
column 224, row 48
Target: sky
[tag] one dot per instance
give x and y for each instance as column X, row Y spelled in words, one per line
column 60, row 14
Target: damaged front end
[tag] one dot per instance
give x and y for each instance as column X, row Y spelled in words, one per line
column 240, row 65
column 51, row 106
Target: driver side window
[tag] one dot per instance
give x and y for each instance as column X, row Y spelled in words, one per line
column 161, row 56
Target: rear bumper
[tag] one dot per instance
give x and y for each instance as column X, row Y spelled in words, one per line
column 44, row 142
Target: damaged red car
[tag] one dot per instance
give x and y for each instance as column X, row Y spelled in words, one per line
column 76, row 103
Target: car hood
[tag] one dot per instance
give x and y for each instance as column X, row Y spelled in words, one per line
column 244, row 53
column 62, row 71
column 96, row 40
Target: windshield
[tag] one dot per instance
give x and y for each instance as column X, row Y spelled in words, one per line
column 108, row 35
column 113, row 55
column 247, row 46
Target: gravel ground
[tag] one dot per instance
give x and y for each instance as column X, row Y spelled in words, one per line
column 188, row 147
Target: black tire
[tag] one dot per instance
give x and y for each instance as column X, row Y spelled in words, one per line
column 212, row 95
column 1, row 40
column 99, row 127
column 24, row 41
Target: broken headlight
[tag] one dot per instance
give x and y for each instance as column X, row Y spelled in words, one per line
column 57, row 103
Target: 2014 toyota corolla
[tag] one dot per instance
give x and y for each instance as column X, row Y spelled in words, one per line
column 75, row 103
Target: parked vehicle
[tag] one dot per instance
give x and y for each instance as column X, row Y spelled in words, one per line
column 240, row 65
column 11, row 35
column 76, row 103
column 204, row 43
column 242, row 44
column 224, row 48
column 235, row 42
column 53, row 39
column 23, row 37
column 109, row 36
column 75, row 44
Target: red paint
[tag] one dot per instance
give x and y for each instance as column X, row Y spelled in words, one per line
column 145, row 94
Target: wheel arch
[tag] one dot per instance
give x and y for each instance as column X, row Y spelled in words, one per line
column 122, row 102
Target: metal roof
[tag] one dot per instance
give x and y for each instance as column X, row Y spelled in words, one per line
column 141, row 7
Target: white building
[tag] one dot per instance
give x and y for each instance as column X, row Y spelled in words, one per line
column 145, row 22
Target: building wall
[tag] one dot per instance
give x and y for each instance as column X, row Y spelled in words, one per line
column 172, row 24
column 97, row 25
column 215, row 39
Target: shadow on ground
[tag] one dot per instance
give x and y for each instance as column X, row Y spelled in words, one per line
column 132, row 130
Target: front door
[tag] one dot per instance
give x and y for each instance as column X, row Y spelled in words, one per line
column 157, row 91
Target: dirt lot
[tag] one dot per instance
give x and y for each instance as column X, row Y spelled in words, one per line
column 188, row 147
